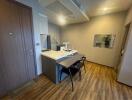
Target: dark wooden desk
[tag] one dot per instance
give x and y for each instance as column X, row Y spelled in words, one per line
column 70, row 60
column 68, row 68
column 51, row 68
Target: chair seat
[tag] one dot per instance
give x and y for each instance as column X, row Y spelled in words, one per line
column 72, row 69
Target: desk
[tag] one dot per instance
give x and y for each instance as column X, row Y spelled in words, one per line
column 51, row 67
column 70, row 60
column 68, row 68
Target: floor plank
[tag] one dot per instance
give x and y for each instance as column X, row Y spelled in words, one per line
column 98, row 83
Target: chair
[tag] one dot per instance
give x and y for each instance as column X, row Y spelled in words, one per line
column 71, row 71
column 83, row 61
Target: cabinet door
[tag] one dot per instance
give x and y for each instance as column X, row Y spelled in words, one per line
column 13, row 52
column 25, row 14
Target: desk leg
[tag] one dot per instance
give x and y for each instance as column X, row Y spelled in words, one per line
column 60, row 75
column 71, row 79
column 84, row 67
column 80, row 74
column 84, row 59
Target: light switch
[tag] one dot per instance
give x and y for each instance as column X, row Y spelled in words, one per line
column 10, row 33
column 37, row 44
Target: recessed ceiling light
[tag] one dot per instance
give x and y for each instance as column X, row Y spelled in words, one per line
column 62, row 20
column 105, row 9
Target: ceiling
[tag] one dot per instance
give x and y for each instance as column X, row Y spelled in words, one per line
column 96, row 7
column 77, row 11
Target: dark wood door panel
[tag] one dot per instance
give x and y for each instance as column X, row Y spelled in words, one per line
column 17, row 63
column 2, row 77
column 12, row 46
column 26, row 25
column 19, row 49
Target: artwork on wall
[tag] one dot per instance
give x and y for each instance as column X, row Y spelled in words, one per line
column 104, row 40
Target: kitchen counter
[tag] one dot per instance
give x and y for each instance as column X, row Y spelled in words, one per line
column 56, row 55
column 50, row 66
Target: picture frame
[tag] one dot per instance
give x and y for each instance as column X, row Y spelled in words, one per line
column 104, row 40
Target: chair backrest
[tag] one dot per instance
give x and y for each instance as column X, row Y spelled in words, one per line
column 83, row 58
column 80, row 63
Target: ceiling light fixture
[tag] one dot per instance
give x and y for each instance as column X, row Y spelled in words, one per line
column 62, row 20
column 105, row 9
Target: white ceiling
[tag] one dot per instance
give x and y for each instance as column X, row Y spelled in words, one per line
column 89, row 8
column 95, row 7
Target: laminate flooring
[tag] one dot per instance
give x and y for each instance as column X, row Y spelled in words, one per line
column 98, row 83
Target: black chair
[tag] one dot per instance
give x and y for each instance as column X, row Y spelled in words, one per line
column 83, row 61
column 71, row 71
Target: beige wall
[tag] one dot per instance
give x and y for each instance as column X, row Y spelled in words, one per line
column 81, row 37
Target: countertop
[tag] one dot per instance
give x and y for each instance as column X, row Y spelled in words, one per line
column 56, row 55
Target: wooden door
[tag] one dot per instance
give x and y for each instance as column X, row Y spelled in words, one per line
column 2, row 77
column 25, row 14
column 14, row 66
column 17, row 64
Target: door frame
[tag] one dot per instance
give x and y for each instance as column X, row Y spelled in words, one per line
column 125, row 39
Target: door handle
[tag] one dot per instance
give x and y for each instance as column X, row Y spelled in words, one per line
column 10, row 34
column 122, row 52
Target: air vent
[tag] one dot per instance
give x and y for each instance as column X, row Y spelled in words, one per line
column 58, row 8
column 77, row 2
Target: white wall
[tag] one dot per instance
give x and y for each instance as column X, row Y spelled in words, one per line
column 81, row 37
column 125, row 71
column 54, row 32
column 37, row 12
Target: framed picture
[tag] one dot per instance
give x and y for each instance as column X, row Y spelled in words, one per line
column 104, row 40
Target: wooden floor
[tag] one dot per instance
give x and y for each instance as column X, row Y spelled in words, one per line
column 98, row 83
